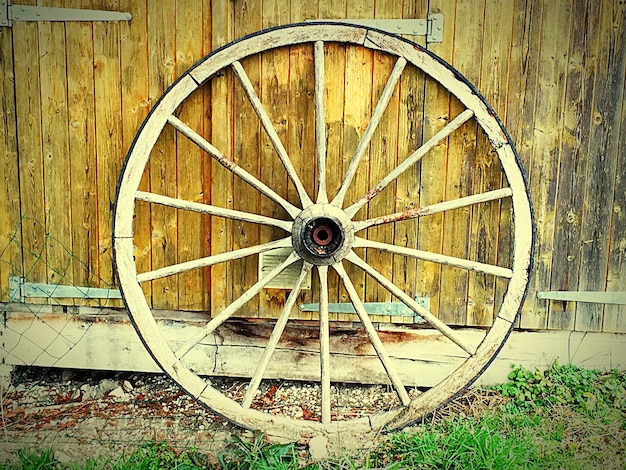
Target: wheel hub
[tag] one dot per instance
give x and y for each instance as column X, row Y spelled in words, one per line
column 322, row 234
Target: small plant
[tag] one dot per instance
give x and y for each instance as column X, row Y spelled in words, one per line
column 157, row 456
column 33, row 460
column 564, row 385
column 258, row 455
column 459, row 443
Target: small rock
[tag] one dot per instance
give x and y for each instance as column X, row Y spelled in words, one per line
column 317, row 448
column 106, row 385
column 127, row 386
column 119, row 393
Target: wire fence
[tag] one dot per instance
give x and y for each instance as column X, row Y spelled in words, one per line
column 46, row 402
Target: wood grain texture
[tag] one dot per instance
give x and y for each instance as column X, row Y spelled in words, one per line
column 82, row 150
column 29, row 138
column 604, row 150
column 274, row 95
column 432, row 180
column 460, row 166
column 190, row 178
column 10, row 234
column 548, row 121
column 486, row 219
column 247, row 132
column 163, row 159
column 221, row 182
column 135, row 105
column 577, row 115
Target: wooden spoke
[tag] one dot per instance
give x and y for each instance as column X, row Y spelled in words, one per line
column 275, row 336
column 213, row 210
column 372, row 335
column 381, row 106
column 211, row 260
column 436, row 258
column 271, row 132
column 412, row 304
column 234, row 307
column 324, row 344
column 435, row 208
column 320, row 123
column 230, row 165
column 411, row 160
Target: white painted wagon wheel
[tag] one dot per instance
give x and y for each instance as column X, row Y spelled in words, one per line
column 322, row 231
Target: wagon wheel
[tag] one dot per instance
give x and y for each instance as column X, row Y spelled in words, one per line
column 322, row 230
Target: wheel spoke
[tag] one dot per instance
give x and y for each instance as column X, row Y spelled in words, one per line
column 324, row 344
column 271, row 132
column 381, row 106
column 234, row 307
column 435, row 208
column 230, row 165
column 320, row 123
column 436, row 258
column 411, row 160
column 275, row 336
column 371, row 333
column 213, row 210
column 412, row 304
column 211, row 260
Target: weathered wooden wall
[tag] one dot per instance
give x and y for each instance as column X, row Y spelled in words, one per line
column 74, row 95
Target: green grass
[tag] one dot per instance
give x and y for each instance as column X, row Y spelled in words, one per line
column 564, row 417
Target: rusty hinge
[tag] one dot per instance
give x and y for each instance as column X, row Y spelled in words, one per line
column 431, row 27
column 10, row 13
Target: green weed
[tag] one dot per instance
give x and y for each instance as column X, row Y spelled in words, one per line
column 258, row 455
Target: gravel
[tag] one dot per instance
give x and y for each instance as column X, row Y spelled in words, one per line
column 72, row 411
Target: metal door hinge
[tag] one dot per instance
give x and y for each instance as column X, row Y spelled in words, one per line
column 19, row 291
column 596, row 297
column 394, row 309
column 432, row 27
column 10, row 13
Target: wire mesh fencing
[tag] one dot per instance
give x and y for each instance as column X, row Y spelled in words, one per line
column 52, row 302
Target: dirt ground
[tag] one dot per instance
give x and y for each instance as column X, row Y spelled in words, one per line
column 85, row 414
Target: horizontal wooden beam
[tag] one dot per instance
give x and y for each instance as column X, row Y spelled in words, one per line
column 104, row 339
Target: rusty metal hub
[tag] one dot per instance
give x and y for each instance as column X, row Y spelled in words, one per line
column 322, row 234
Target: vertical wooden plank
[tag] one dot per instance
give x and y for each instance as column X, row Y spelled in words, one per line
column 28, row 112
column 574, row 158
column 10, row 236
column 357, row 112
column 486, row 218
column 108, row 133
column 81, row 145
column 615, row 315
column 432, row 190
column 468, row 39
column 301, row 115
column 383, row 159
column 273, row 86
column 545, row 153
column 163, row 169
column 189, row 25
column 410, row 132
column 335, row 97
column 135, row 105
column 300, row 121
column 56, row 162
column 247, row 135
column 523, row 82
column 605, row 148
column 221, row 99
